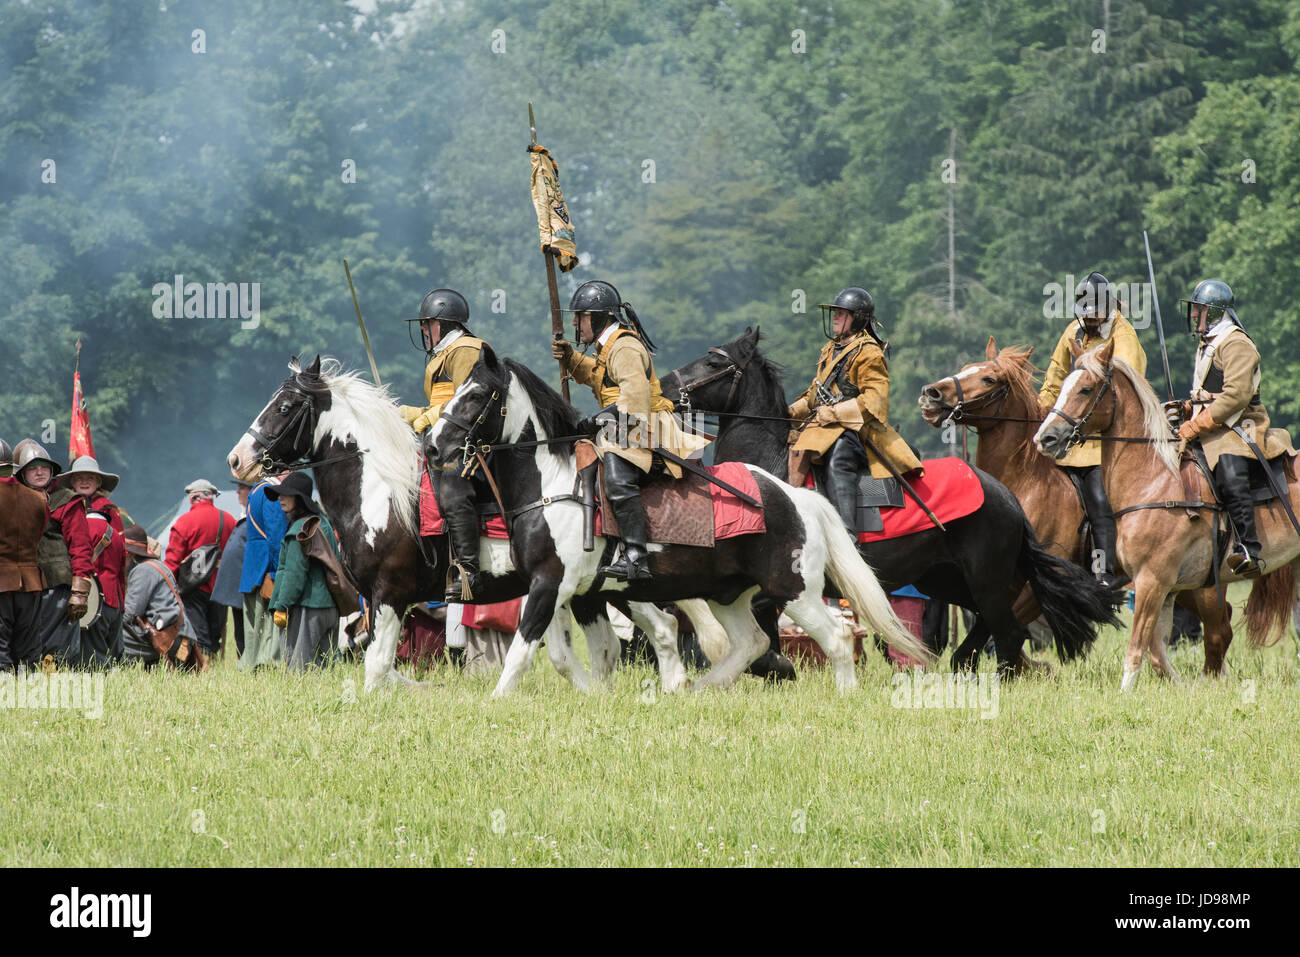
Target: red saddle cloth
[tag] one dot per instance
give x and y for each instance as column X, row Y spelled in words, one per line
column 950, row 487
column 679, row 513
column 431, row 522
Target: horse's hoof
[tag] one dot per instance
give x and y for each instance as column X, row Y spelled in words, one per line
column 773, row 667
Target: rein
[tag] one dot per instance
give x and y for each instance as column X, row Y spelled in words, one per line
column 734, row 369
column 303, row 426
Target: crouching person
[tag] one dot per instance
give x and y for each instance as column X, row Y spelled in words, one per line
column 154, row 624
column 301, row 604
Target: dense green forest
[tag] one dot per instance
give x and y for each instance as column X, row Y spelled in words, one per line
column 727, row 164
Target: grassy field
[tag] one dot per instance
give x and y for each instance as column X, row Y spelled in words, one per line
column 273, row 769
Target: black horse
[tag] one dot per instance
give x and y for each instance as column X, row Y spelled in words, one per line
column 366, row 461
column 981, row 562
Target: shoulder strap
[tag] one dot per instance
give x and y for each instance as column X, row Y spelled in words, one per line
column 103, row 543
column 221, row 526
column 252, row 521
column 167, row 578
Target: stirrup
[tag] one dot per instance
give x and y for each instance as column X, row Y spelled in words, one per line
column 460, row 583
column 626, row 569
column 1248, row 566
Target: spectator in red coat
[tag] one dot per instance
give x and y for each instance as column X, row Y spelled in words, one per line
column 204, row 524
column 101, row 640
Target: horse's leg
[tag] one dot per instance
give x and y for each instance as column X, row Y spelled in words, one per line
column 1216, row 626
column 539, row 609
column 710, row 634
column 1158, row 649
column 661, row 628
column 559, row 645
column 747, row 641
column 387, row 629
column 831, row 632
column 1148, row 602
column 966, row 657
column 602, row 643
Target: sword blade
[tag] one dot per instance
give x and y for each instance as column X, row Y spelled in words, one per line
column 907, row 487
column 1160, row 326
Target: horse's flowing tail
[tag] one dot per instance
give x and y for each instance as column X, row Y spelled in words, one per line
column 855, row 580
column 1268, row 609
column 1074, row 603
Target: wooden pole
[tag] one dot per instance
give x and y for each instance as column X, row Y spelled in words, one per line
column 557, row 323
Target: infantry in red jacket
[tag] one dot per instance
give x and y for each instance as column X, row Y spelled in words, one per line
column 101, row 640
column 65, row 555
column 204, row 524
column 23, row 514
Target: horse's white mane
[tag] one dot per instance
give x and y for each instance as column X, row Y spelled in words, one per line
column 369, row 413
column 1154, row 424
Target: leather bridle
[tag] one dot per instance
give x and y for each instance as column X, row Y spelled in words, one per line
column 1076, row 435
column 961, row 411
column 472, row 445
column 735, row 369
column 301, row 425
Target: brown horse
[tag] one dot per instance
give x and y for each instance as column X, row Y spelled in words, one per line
column 997, row 398
column 1165, row 548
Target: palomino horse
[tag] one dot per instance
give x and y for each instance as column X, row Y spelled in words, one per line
column 998, row 400
column 366, row 462
column 507, row 408
column 980, row 562
column 1164, row 548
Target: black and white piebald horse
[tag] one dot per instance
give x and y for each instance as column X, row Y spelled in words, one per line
column 507, row 407
column 980, row 562
column 366, row 462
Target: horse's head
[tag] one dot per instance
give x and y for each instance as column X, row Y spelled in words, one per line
column 474, row 416
column 979, row 391
column 283, row 433
column 1086, row 404
column 710, row 384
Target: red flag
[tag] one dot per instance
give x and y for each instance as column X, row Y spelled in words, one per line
column 79, row 444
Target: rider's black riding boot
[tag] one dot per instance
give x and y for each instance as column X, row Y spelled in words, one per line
column 1102, row 519
column 622, row 488
column 845, row 460
column 460, row 512
column 1232, row 478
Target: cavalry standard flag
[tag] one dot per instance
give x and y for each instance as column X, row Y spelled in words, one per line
column 79, row 443
column 553, row 221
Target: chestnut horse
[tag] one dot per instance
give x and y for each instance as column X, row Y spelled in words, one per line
column 997, row 399
column 1165, row 549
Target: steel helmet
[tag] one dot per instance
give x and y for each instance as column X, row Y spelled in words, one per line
column 445, row 305
column 1214, row 293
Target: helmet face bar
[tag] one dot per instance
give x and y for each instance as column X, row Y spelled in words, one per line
column 855, row 300
column 445, row 306
column 1214, row 294
column 1093, row 298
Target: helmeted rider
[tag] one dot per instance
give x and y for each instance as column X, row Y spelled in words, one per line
column 1225, row 393
column 851, row 403
column 452, row 351
column 622, row 376
column 1099, row 318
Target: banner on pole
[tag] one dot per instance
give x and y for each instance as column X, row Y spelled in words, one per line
column 553, row 223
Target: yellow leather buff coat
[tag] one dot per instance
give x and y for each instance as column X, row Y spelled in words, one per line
column 442, row 377
column 1127, row 348
column 858, row 360
column 622, row 373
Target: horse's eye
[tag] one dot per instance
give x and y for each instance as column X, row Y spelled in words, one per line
column 284, row 407
column 1087, row 391
column 988, row 380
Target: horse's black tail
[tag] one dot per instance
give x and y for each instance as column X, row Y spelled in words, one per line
column 1074, row 602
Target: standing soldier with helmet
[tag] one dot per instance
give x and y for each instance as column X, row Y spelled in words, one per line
column 23, row 515
column 452, row 351
column 1099, row 318
column 1225, row 398
column 622, row 376
column 65, row 554
column 847, row 403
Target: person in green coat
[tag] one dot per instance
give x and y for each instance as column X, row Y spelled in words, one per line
column 301, row 604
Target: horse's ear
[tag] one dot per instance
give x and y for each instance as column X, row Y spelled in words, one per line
column 749, row 330
column 294, row 366
column 1107, row 352
column 1029, row 353
column 991, row 350
column 1075, row 348
column 487, row 355
column 314, row 368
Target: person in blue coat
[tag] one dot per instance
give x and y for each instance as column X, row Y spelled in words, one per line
column 266, row 528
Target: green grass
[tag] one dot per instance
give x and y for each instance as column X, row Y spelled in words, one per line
column 273, row 769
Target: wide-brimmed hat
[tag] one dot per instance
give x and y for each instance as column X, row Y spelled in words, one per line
column 295, row 483
column 86, row 465
column 201, row 485
column 136, row 540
